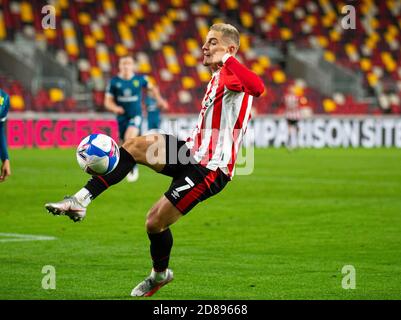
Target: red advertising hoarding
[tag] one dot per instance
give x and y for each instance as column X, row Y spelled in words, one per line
column 49, row 133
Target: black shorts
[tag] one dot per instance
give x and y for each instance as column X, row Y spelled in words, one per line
column 192, row 182
column 124, row 123
column 292, row 122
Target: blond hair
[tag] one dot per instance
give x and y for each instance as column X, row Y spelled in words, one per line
column 228, row 31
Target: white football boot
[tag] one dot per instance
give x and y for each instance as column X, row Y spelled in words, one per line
column 150, row 285
column 69, row 207
column 133, row 175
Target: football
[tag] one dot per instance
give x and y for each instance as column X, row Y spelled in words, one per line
column 98, row 154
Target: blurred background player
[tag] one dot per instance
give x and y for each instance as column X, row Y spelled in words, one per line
column 293, row 115
column 123, row 97
column 4, row 106
column 154, row 105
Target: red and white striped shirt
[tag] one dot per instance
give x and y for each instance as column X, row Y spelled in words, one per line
column 222, row 122
column 292, row 111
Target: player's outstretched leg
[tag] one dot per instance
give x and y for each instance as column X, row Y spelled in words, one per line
column 133, row 175
column 132, row 132
column 133, row 151
column 75, row 206
column 69, row 207
column 159, row 218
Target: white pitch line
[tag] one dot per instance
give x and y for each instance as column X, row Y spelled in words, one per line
column 16, row 237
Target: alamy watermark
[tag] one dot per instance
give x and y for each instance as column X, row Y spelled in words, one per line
column 49, row 279
column 349, row 19
column 213, row 147
column 349, row 278
column 49, row 20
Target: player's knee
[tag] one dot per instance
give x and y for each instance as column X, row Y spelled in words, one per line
column 132, row 132
column 153, row 222
column 133, row 146
column 138, row 147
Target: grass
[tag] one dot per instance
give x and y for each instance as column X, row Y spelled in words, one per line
column 284, row 232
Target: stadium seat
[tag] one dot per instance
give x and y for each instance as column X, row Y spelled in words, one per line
column 94, row 34
column 17, row 102
column 3, row 31
column 56, row 95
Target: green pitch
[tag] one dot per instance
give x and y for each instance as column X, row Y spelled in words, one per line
column 284, row 232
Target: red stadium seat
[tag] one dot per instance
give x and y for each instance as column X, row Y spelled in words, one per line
column 180, row 26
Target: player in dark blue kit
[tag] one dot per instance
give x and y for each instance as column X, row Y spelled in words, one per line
column 153, row 108
column 124, row 98
column 4, row 106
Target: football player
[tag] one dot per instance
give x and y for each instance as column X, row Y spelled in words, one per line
column 123, row 97
column 200, row 167
column 154, row 105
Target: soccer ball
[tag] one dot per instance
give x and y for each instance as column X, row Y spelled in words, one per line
column 98, row 154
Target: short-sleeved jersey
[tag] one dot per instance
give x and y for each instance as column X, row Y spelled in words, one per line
column 153, row 112
column 151, row 104
column 4, row 105
column 151, row 107
column 128, row 94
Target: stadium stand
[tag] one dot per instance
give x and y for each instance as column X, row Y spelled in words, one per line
column 166, row 37
column 374, row 50
column 20, row 98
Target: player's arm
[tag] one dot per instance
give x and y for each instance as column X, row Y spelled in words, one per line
column 251, row 83
column 109, row 102
column 161, row 102
column 5, row 169
column 111, row 106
